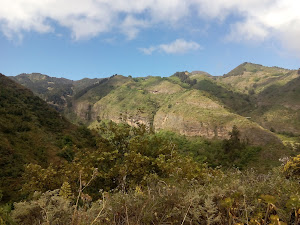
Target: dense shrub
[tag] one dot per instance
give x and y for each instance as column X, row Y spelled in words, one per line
column 136, row 176
column 125, row 157
column 226, row 198
column 292, row 168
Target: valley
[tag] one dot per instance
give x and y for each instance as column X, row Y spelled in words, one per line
column 184, row 133
column 251, row 96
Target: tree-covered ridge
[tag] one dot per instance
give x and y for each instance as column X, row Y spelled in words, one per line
column 256, row 92
column 30, row 131
column 58, row 92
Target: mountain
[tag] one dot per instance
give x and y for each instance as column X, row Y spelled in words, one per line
column 251, row 96
column 164, row 104
column 274, row 93
column 244, row 119
column 30, row 131
column 57, row 92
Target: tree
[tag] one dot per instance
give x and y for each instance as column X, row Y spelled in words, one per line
column 126, row 157
column 234, row 142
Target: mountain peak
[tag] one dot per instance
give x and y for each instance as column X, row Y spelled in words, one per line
column 254, row 68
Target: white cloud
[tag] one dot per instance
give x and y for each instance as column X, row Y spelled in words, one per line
column 178, row 46
column 148, row 51
column 248, row 31
column 131, row 26
column 259, row 20
column 87, row 18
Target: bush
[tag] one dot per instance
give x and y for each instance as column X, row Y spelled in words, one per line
column 231, row 197
column 292, row 168
column 126, row 157
column 47, row 208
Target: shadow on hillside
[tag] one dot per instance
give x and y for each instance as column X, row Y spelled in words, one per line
column 236, row 101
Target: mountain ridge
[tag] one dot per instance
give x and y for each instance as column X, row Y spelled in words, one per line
column 244, row 92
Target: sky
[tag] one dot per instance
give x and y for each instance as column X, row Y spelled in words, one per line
column 98, row 38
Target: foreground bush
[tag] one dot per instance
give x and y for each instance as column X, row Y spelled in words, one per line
column 292, row 167
column 226, row 198
column 137, row 177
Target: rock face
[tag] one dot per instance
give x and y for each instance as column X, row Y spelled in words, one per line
column 193, row 114
column 188, row 127
column 83, row 110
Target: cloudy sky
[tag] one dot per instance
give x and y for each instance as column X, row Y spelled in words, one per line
column 98, row 38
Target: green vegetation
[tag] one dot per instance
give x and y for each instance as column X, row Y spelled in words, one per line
column 184, row 78
column 250, row 90
column 237, row 71
column 125, row 157
column 230, row 153
column 187, row 149
column 56, row 91
column 235, row 101
column 138, row 177
column 30, row 131
column 224, row 199
column 292, row 167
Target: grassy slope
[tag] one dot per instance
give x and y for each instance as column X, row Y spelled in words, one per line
column 274, row 93
column 248, row 76
column 135, row 99
column 55, row 91
column 171, row 105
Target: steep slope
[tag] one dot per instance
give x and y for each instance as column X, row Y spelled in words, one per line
column 232, row 99
column 249, row 78
column 162, row 104
column 84, row 100
column 54, row 91
column 136, row 101
column 191, row 104
column 274, row 94
column 278, row 108
column 30, row 131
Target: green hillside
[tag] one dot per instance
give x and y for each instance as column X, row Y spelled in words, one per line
column 30, row 131
column 167, row 104
column 252, row 78
column 193, row 104
column 262, row 101
column 274, row 95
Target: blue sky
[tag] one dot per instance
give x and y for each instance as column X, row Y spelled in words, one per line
column 99, row 38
